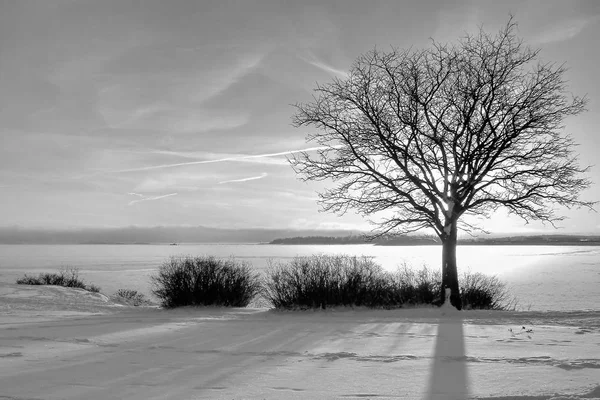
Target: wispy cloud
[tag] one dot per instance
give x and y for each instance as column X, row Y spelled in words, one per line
column 144, row 198
column 204, row 154
column 178, row 118
column 175, row 101
column 252, row 178
column 455, row 21
column 303, row 223
column 563, row 31
column 226, row 159
column 314, row 61
column 218, row 80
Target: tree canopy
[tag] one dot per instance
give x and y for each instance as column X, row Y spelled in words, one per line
column 455, row 129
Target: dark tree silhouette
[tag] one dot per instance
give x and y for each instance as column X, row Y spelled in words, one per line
column 445, row 132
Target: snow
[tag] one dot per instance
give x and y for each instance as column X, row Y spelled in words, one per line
column 58, row 343
column 447, row 294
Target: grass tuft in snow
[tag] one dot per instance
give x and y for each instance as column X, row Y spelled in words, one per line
column 205, row 281
column 66, row 277
column 131, row 297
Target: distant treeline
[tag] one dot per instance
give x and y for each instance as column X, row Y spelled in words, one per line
column 404, row 240
column 321, row 240
column 358, row 239
column 536, row 240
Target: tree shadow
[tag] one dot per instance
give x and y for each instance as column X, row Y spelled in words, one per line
column 448, row 379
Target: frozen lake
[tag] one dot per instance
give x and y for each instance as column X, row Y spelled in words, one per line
column 561, row 278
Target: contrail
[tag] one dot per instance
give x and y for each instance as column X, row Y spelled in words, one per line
column 252, row 178
column 245, row 157
column 143, row 198
column 199, row 155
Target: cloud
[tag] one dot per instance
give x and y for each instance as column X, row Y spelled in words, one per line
column 226, row 159
column 252, row 178
column 454, row 21
column 169, row 95
column 303, row 223
column 172, row 118
column 297, row 195
column 563, row 31
column 204, row 154
column 314, row 61
column 218, row 80
column 144, row 198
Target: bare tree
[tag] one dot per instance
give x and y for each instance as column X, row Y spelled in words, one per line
column 432, row 135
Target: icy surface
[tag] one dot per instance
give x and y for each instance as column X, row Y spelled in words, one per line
column 58, row 343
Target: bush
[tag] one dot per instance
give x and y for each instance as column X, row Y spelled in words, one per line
column 417, row 287
column 67, row 277
column 328, row 281
column 483, row 292
column 187, row 281
column 93, row 288
column 324, row 281
column 132, row 297
column 29, row 280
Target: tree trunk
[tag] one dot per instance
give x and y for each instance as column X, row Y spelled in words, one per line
column 449, row 270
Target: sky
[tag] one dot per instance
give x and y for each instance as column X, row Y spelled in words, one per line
column 147, row 113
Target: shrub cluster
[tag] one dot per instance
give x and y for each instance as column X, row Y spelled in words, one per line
column 319, row 281
column 67, row 277
column 205, row 281
column 329, row 281
column 325, row 281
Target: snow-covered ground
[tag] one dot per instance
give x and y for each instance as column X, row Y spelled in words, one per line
column 58, row 343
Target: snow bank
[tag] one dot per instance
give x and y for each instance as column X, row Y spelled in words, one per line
column 58, row 343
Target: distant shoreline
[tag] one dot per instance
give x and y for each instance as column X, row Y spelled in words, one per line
column 145, row 236
column 539, row 240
